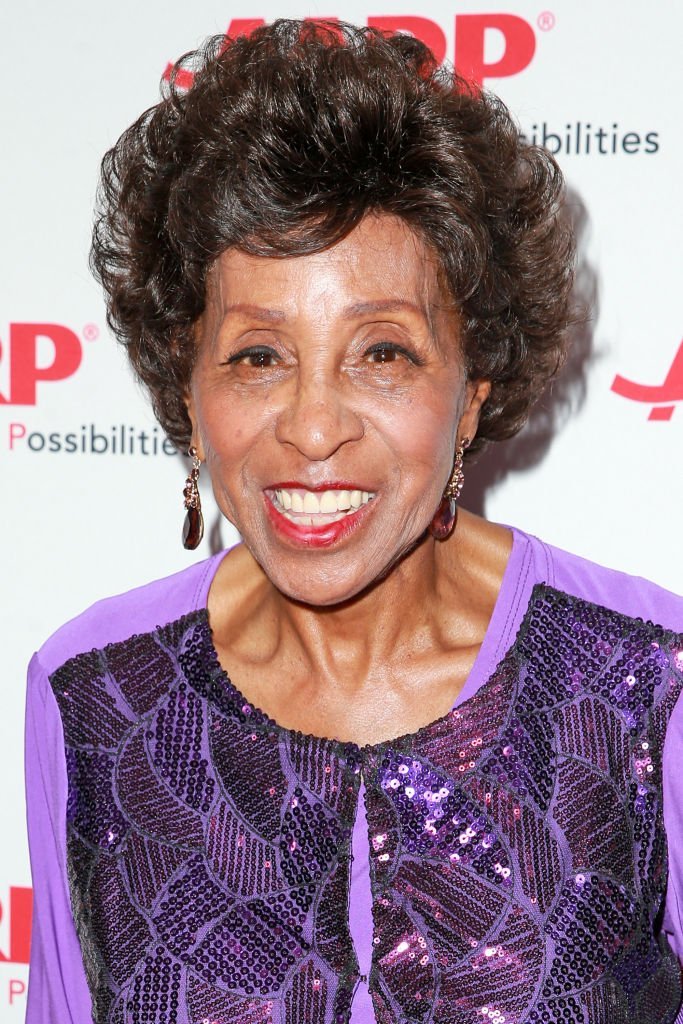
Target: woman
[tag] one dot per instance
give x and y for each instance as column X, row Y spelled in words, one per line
column 371, row 764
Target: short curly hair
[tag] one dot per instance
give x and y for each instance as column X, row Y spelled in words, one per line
column 286, row 139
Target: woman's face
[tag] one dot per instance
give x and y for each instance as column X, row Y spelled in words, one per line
column 327, row 399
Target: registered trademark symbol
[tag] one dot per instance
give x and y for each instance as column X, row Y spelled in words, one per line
column 546, row 21
column 91, row 332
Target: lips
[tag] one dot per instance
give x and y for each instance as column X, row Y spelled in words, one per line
column 317, row 517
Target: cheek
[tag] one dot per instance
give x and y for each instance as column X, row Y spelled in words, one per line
column 229, row 428
column 422, row 433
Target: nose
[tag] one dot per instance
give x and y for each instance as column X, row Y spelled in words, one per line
column 318, row 420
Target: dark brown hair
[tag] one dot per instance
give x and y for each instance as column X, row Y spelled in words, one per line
column 285, row 141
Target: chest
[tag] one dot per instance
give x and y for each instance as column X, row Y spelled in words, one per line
column 362, row 707
column 514, row 847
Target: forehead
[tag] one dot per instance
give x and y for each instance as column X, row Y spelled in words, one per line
column 382, row 258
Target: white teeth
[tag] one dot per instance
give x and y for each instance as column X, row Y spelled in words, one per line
column 311, row 503
column 328, row 502
column 303, row 504
column 313, row 520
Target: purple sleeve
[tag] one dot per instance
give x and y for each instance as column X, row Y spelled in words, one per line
column 673, row 824
column 58, row 990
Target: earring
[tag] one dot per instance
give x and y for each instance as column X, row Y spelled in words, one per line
column 193, row 527
column 443, row 522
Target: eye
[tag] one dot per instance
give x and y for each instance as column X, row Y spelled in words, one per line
column 257, row 357
column 389, row 352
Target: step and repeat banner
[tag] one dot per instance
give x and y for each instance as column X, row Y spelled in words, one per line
column 91, row 489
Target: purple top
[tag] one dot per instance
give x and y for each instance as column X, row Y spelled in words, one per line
column 194, row 862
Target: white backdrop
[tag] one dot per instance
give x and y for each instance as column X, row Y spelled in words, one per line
column 600, row 470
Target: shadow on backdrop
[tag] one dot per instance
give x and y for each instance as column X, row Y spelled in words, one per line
column 567, row 392
column 559, row 403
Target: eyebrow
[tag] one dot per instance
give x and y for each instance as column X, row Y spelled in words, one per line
column 382, row 306
column 272, row 316
column 269, row 316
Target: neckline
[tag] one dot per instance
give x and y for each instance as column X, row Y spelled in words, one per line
column 507, row 623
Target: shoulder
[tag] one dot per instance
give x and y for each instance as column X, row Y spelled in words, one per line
column 630, row 596
column 591, row 633
column 137, row 611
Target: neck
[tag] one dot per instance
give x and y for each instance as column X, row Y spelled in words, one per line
column 440, row 594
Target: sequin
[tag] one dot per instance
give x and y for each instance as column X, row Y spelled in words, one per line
column 517, row 856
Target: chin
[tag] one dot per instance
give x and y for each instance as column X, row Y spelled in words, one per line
column 327, row 586
column 320, row 592
column 328, row 574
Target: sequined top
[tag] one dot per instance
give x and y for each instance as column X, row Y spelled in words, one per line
column 195, row 863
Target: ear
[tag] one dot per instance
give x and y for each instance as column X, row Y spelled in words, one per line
column 475, row 395
column 195, row 438
column 190, row 398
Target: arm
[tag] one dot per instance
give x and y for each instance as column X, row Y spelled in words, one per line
column 58, row 991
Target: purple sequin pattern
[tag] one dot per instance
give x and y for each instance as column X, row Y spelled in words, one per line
column 518, row 859
column 517, row 854
column 208, row 853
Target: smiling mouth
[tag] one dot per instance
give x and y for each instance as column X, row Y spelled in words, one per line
column 317, row 508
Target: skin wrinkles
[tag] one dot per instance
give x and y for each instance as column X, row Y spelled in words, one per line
column 373, row 636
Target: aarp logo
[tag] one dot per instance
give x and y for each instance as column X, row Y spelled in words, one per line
column 15, row 925
column 33, row 353
column 487, row 46
column 662, row 398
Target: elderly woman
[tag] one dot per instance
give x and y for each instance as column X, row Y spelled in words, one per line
column 371, row 765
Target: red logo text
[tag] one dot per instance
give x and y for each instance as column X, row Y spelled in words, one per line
column 16, row 915
column 16, row 989
column 473, row 34
column 662, row 397
column 25, row 368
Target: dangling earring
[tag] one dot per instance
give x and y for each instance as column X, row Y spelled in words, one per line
column 443, row 522
column 193, row 527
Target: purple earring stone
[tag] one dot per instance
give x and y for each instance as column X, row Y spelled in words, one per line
column 443, row 522
column 193, row 528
